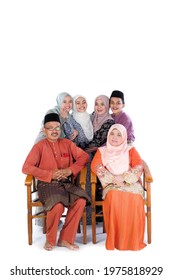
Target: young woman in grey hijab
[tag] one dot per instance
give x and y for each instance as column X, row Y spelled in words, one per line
column 63, row 107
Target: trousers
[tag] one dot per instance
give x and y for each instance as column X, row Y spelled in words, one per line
column 72, row 219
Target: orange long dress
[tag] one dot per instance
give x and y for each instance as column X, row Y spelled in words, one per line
column 124, row 214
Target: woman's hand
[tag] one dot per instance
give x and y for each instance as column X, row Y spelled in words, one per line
column 63, row 113
column 118, row 180
column 73, row 135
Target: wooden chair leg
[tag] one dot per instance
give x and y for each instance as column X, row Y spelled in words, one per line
column 84, row 221
column 149, row 226
column 104, row 230
column 29, row 229
column 93, row 225
column 79, row 228
column 44, row 225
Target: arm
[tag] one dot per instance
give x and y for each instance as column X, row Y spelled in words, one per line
column 133, row 174
column 127, row 122
column 105, row 177
column 31, row 165
column 129, row 177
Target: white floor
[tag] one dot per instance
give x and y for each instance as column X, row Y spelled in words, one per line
column 39, row 237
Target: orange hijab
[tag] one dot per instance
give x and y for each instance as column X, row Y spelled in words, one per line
column 116, row 159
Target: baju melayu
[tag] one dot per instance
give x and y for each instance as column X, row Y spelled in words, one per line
column 44, row 157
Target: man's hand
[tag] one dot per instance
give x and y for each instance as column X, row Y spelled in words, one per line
column 60, row 174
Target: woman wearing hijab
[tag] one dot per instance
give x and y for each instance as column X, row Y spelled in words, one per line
column 69, row 126
column 119, row 167
column 82, row 117
column 102, row 121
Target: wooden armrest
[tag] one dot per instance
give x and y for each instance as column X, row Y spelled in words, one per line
column 148, row 176
column 28, row 180
column 83, row 175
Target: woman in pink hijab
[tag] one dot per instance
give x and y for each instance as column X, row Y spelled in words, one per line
column 119, row 167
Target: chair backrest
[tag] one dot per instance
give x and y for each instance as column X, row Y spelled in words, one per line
column 146, row 182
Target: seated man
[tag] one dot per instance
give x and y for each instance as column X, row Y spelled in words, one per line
column 52, row 161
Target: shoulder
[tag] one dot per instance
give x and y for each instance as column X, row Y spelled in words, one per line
column 39, row 146
column 126, row 116
column 108, row 122
column 65, row 141
column 134, row 157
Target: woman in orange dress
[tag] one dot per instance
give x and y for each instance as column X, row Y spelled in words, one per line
column 119, row 167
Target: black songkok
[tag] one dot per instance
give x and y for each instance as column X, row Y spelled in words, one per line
column 52, row 117
column 119, row 94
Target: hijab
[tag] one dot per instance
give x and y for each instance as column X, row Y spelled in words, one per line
column 59, row 101
column 116, row 159
column 83, row 118
column 99, row 120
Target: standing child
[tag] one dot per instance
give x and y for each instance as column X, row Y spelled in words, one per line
column 117, row 104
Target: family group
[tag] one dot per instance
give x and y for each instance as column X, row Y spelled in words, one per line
column 71, row 138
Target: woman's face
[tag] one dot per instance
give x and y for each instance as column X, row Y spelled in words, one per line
column 80, row 104
column 67, row 104
column 115, row 138
column 99, row 107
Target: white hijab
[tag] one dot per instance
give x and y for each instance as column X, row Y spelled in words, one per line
column 83, row 118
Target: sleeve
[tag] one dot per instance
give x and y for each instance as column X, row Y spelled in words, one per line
column 96, row 161
column 133, row 174
column 31, row 165
column 127, row 122
column 105, row 177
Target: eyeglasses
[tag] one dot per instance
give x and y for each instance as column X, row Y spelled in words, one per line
column 57, row 128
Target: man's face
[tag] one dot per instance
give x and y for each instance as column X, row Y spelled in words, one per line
column 52, row 130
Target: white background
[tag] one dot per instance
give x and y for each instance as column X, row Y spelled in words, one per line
column 89, row 48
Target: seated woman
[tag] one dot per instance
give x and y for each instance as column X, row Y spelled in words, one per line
column 119, row 167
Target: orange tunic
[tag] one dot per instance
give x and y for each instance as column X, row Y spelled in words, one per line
column 123, row 212
column 41, row 160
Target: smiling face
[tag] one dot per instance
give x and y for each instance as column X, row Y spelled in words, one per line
column 115, row 138
column 116, row 105
column 52, row 131
column 67, row 104
column 81, row 104
column 99, row 107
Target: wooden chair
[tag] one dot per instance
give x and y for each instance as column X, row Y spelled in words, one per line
column 146, row 181
column 34, row 204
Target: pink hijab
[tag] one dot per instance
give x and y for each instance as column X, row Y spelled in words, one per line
column 98, row 120
column 116, row 159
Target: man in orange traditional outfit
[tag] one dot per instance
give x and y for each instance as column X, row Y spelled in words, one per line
column 53, row 161
column 119, row 167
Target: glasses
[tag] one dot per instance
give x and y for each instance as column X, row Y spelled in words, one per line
column 57, row 128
